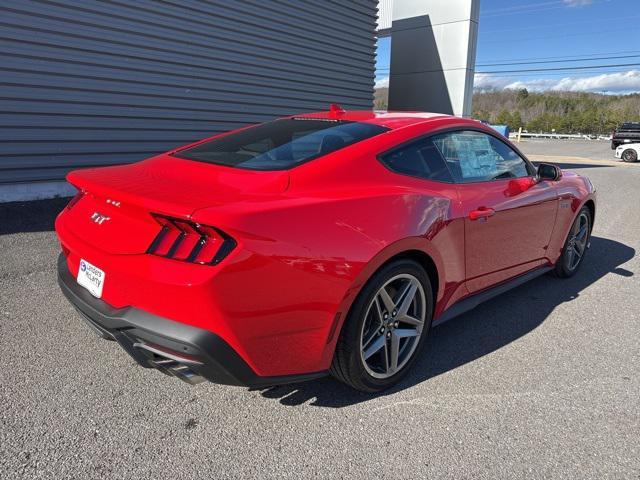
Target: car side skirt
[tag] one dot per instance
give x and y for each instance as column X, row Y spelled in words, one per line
column 472, row 301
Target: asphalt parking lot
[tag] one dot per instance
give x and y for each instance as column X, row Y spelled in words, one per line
column 541, row 382
column 592, row 149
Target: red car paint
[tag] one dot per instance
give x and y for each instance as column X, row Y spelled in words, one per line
column 308, row 238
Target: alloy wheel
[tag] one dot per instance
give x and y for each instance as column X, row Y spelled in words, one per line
column 629, row 155
column 393, row 325
column 578, row 241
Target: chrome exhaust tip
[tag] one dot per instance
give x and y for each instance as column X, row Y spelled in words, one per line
column 184, row 373
column 172, row 364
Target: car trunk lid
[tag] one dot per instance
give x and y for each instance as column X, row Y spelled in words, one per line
column 115, row 212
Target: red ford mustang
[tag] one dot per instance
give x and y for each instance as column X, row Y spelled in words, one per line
column 320, row 243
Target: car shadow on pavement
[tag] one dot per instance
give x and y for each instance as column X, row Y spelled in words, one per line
column 489, row 327
column 573, row 165
column 36, row 216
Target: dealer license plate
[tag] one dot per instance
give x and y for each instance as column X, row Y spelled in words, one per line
column 91, row 278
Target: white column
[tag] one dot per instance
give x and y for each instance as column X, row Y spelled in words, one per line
column 433, row 54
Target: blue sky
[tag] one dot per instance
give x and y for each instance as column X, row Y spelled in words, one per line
column 587, row 32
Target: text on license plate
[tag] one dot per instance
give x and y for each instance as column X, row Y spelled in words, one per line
column 91, row 278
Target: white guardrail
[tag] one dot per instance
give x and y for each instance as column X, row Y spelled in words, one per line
column 517, row 135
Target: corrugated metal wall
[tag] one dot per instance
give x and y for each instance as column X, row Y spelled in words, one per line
column 86, row 82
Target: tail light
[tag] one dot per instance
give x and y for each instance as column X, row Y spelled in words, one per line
column 190, row 242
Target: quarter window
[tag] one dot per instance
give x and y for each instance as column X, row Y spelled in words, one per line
column 420, row 159
column 477, row 157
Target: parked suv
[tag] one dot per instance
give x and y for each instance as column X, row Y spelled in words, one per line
column 628, row 132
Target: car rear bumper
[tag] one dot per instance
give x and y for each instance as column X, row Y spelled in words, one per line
column 189, row 353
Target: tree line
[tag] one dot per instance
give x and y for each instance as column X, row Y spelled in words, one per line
column 564, row 112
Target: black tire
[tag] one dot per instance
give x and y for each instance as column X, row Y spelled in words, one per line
column 566, row 266
column 629, row 155
column 348, row 364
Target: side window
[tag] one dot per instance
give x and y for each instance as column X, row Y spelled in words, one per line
column 419, row 159
column 477, row 157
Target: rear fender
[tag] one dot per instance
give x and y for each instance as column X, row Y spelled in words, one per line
column 396, row 249
column 319, row 251
column 412, row 244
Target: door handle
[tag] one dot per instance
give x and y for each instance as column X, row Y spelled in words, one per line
column 482, row 212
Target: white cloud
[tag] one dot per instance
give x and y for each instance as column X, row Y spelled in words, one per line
column 578, row 3
column 622, row 82
column 382, row 83
column 483, row 81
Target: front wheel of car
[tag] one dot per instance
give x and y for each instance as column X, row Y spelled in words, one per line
column 576, row 245
column 629, row 155
column 386, row 328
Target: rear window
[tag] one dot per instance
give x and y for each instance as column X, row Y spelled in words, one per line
column 630, row 126
column 281, row 144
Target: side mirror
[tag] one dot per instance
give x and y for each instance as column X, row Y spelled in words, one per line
column 546, row 171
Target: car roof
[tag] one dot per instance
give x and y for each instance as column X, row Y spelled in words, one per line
column 392, row 120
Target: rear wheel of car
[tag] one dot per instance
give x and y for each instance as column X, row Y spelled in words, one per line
column 386, row 328
column 629, row 155
column 576, row 245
